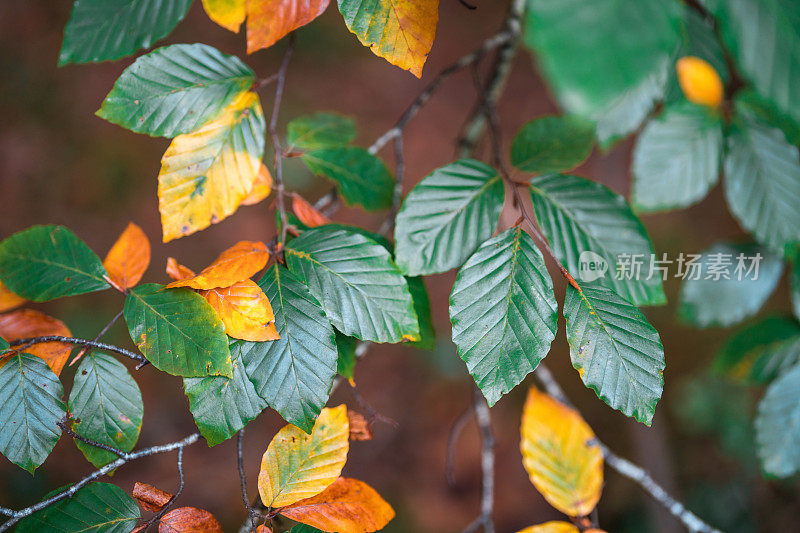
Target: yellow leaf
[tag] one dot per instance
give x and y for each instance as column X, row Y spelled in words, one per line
column 245, row 310
column 551, row 527
column 699, row 81
column 346, row 506
column 558, row 453
column 227, row 13
column 262, row 186
column 9, row 300
column 268, row 21
column 128, row 259
column 297, row 465
column 306, row 213
column 400, row 31
column 26, row 323
column 206, row 174
column 239, row 262
column 177, row 271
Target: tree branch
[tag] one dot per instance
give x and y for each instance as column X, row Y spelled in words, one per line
column 21, row 344
column 174, row 497
column 486, row 518
column 276, row 140
column 16, row 516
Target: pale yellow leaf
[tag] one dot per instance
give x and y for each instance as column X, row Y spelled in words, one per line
column 227, row 13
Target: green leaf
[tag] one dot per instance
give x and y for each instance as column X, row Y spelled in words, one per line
column 594, row 52
column 177, row 331
column 175, row 89
column 762, row 183
column 107, row 406
column 346, row 348
column 3, row 345
column 616, row 351
column 422, row 307
column 503, row 312
column 748, row 102
column 552, row 144
column 677, row 157
column 222, row 406
column 47, row 262
column 303, row 528
column 778, row 425
column 30, row 408
column 360, row 177
column 795, row 288
column 359, row 286
column 764, row 37
column 101, row 30
column 320, row 130
column 627, row 112
column 97, row 507
column 447, row 216
column 761, row 351
column 579, row 215
column 707, row 298
column 295, row 373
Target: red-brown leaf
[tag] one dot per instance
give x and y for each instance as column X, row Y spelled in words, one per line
column 189, row 519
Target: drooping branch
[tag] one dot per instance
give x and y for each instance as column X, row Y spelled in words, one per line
column 21, row 344
column 157, row 517
column 16, row 516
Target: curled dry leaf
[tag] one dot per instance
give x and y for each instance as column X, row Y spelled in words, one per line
column 346, row 506
column 177, row 271
column 239, row 262
column 559, row 454
column 150, row 498
column 189, row 519
column 9, row 300
column 227, row 13
column 268, row 21
column 699, row 81
column 245, row 310
column 360, row 428
column 297, row 465
column 26, row 323
column 307, row 214
column 128, row 259
column 262, row 186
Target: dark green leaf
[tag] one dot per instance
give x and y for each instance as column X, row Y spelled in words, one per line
column 422, row 306
column 552, row 144
column 795, row 283
column 749, row 103
column 707, row 298
column 594, row 52
column 757, row 347
column 107, row 405
column 30, row 407
column 175, row 89
column 616, row 351
column 177, row 331
column 762, row 183
column 359, row 286
column 778, row 425
column 46, row 262
column 677, row 158
column 346, row 348
column 504, row 312
column 97, row 507
column 579, row 216
column 295, row 373
column 99, row 30
column 360, row 177
column 222, row 406
column 764, row 37
column 320, row 130
column 447, row 216
column 3, row 345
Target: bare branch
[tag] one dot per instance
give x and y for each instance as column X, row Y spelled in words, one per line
column 486, row 518
column 174, row 497
column 276, row 140
column 21, row 344
column 452, row 441
column 64, row 425
column 251, row 513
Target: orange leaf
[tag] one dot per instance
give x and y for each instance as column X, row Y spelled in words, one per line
column 177, row 271
column 346, row 506
column 699, row 81
column 189, row 519
column 551, row 527
column 227, row 13
column 306, row 212
column 149, row 497
column 26, row 323
column 262, row 186
column 9, row 300
column 128, row 258
column 263, row 529
column 245, row 310
column 359, row 426
column 268, row 21
column 240, row 261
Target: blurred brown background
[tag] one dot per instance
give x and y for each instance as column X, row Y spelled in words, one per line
column 60, row 164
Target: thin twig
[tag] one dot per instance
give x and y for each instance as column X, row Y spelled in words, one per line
column 98, row 337
column 397, row 197
column 251, row 513
column 486, row 517
column 64, row 425
column 452, row 441
column 276, row 140
column 372, row 413
column 165, row 508
column 21, row 344
column 16, row 516
column 628, row 469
